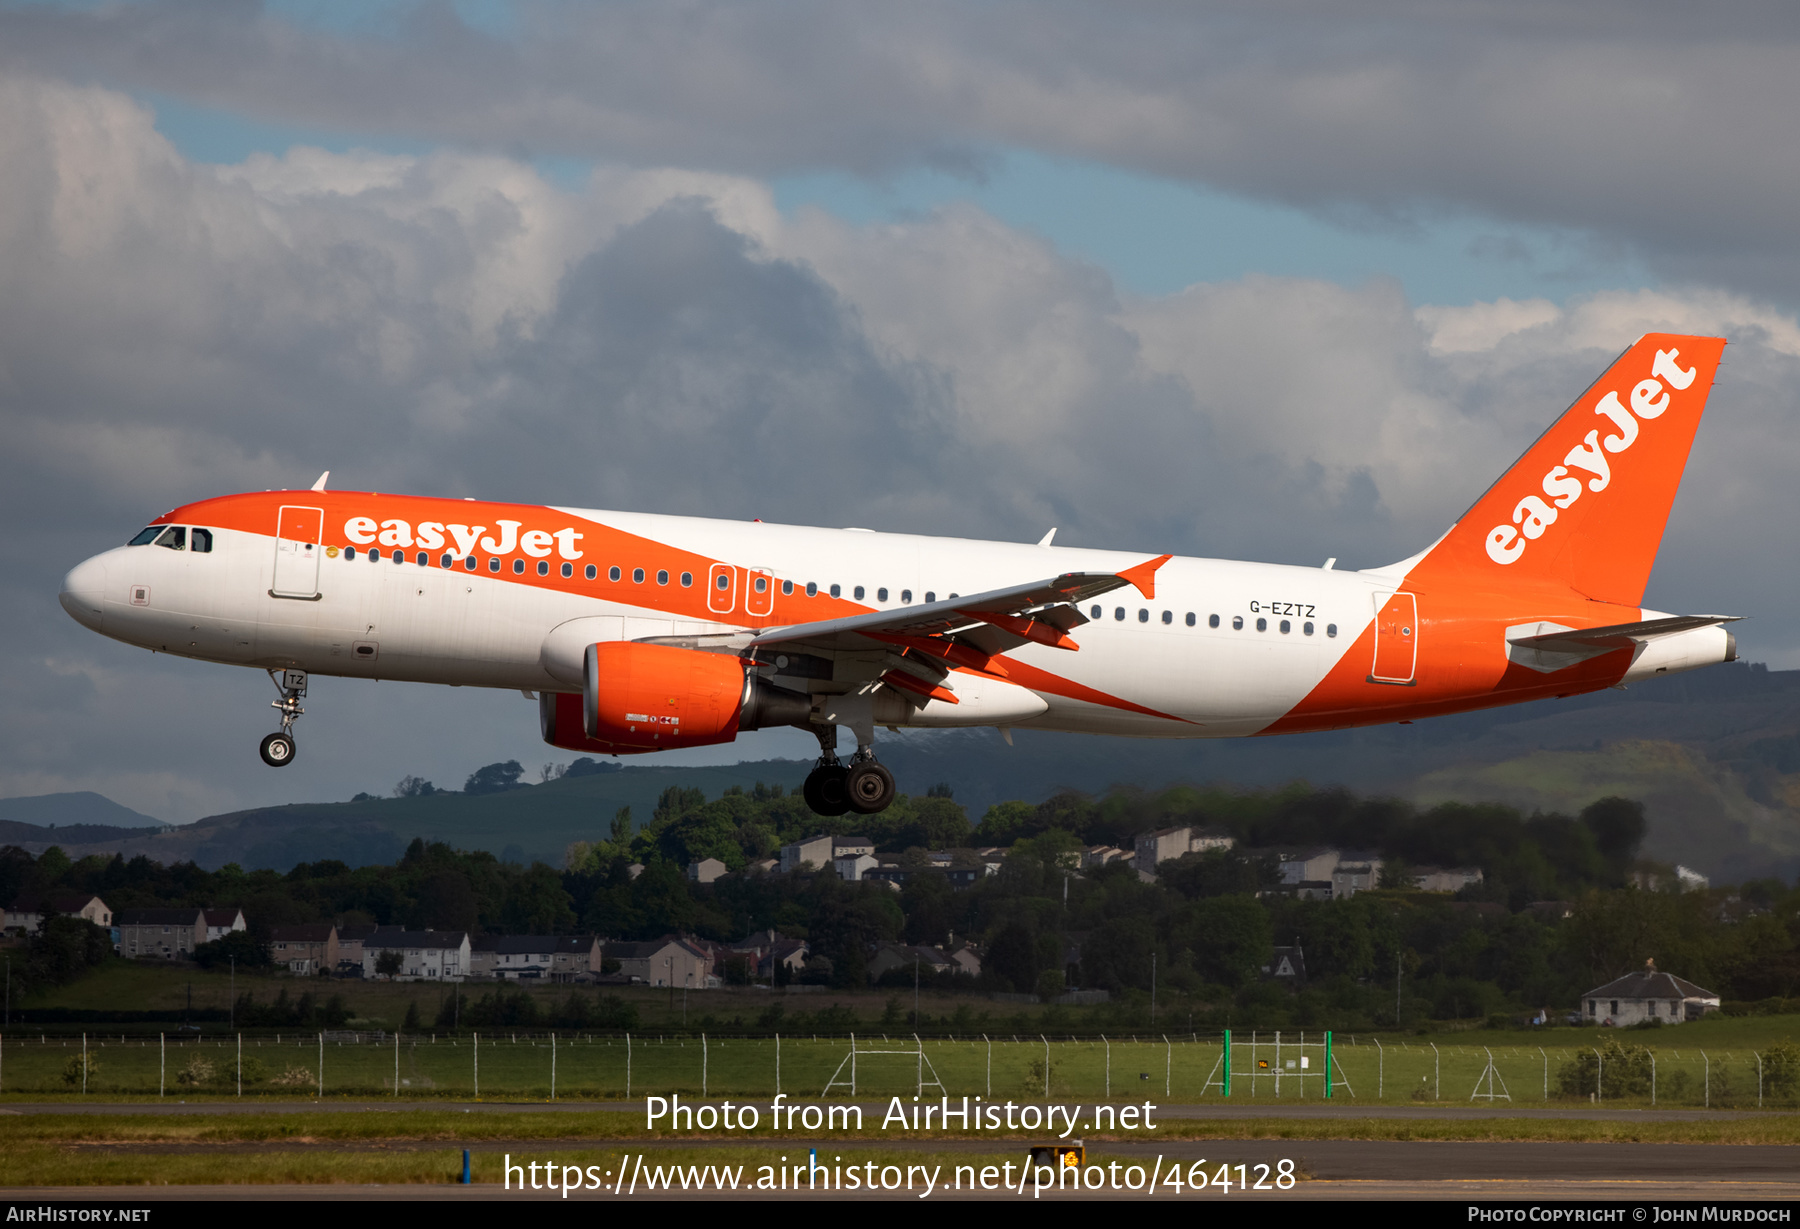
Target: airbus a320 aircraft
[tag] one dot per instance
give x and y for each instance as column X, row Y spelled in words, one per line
column 642, row 633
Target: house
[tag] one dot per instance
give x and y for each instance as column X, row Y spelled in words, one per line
column 851, row 846
column 1152, row 849
column 904, row 956
column 1445, row 878
column 852, row 866
column 815, row 851
column 28, row 913
column 307, row 950
column 575, row 956
column 168, row 934
column 1647, row 995
column 766, row 949
column 1313, row 864
column 1356, row 872
column 668, row 961
column 560, row 958
column 424, row 954
column 221, row 922
column 705, row 870
column 1102, row 855
column 966, row 957
column 350, row 947
column 1287, row 965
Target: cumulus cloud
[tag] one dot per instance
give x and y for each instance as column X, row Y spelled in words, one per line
column 1662, row 128
column 666, row 340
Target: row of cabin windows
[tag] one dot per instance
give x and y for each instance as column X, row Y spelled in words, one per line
column 1237, row 621
column 175, row 537
column 723, row 581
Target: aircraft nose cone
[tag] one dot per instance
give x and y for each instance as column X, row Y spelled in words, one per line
column 83, row 591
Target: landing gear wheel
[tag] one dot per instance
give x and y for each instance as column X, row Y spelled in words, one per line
column 824, row 790
column 278, row 750
column 870, row 787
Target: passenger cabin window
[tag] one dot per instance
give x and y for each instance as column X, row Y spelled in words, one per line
column 1331, row 629
column 1237, row 623
column 612, row 573
column 881, row 595
column 906, row 596
column 787, row 588
column 591, row 572
column 518, row 567
column 145, row 536
column 637, row 576
column 662, row 577
column 544, row 568
column 836, row 592
column 687, row 580
column 424, row 560
column 449, row 561
column 568, row 570
column 1094, row 612
column 399, row 556
column 1168, row 617
column 1307, row 628
column 762, row 584
column 930, row 596
column 856, row 593
column 1286, row 627
column 1190, row 619
column 174, row 537
column 1119, row 613
column 469, row 562
column 1262, row 625
column 493, row 565
column 812, row 588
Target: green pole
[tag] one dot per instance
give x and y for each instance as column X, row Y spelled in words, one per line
column 1327, row 1063
column 1228, row 1062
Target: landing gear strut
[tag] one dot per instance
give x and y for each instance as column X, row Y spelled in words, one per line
column 832, row 788
column 278, row 749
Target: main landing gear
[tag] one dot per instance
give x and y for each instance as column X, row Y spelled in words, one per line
column 278, row 749
column 833, row 788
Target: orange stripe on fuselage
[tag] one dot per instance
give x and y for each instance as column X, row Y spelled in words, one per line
column 600, row 545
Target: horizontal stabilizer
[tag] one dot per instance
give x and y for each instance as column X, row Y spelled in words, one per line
column 1618, row 636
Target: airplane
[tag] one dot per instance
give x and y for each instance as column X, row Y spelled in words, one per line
column 640, row 633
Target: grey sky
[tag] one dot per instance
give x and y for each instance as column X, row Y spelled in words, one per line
column 666, row 339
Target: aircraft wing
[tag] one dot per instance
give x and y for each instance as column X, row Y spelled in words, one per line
column 925, row 642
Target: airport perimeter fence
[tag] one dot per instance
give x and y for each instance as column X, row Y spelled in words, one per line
column 1243, row 1068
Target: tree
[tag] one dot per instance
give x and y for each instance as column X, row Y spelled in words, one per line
column 621, row 827
column 494, row 778
column 1618, row 826
column 411, row 1023
column 389, row 962
column 238, row 947
column 415, row 787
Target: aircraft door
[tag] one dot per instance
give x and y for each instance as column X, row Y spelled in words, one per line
column 759, row 593
column 1396, row 639
column 721, row 588
column 298, row 532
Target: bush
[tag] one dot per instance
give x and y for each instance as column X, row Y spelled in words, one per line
column 1625, row 1070
column 1050, row 984
column 295, row 1077
column 198, row 1071
column 80, row 1069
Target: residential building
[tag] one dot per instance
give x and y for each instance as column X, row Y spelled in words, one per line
column 28, row 913
column 966, row 957
column 1445, row 878
column 851, row 846
column 851, row 866
column 350, row 947
column 1647, row 995
column 307, row 950
column 1287, row 965
column 168, row 934
column 1151, row 849
column 560, row 958
column 221, row 922
column 1103, row 855
column 668, row 961
column 905, row 956
column 765, row 949
column 705, row 870
column 424, row 954
column 1356, row 873
column 814, row 850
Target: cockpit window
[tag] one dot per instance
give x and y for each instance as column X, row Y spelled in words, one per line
column 174, row 537
column 201, row 541
column 145, row 536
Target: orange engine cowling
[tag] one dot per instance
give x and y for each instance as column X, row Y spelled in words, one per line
column 654, row 697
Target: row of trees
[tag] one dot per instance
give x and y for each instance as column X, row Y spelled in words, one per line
column 1553, row 917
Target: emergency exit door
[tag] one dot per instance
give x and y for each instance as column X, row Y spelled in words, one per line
column 1396, row 639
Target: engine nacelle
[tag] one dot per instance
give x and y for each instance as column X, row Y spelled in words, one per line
column 654, row 697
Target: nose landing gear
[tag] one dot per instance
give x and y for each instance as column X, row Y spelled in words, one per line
column 277, row 749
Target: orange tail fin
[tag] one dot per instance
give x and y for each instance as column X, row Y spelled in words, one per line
column 1586, row 505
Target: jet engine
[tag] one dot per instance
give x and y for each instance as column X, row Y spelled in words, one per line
column 653, row 697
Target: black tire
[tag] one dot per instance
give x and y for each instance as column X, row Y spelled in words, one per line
column 824, row 791
column 277, row 750
column 869, row 787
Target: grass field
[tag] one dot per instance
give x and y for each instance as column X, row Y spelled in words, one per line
column 1182, row 1069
